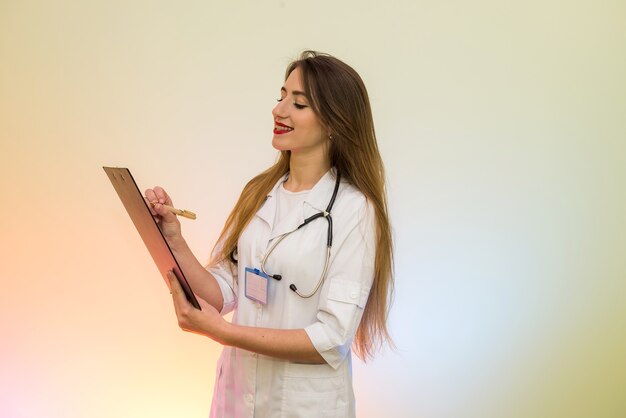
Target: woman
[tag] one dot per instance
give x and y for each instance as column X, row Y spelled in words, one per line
column 304, row 259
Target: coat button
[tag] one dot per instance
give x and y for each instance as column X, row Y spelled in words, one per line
column 249, row 398
column 353, row 295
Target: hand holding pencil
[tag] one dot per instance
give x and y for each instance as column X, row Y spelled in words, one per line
column 164, row 212
column 180, row 212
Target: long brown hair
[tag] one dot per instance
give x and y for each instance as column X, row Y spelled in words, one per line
column 339, row 99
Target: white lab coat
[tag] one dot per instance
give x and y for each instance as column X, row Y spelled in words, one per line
column 252, row 385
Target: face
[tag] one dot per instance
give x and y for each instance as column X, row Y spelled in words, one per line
column 296, row 127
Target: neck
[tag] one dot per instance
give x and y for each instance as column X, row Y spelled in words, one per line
column 305, row 171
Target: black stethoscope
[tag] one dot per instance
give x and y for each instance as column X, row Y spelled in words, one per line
column 329, row 244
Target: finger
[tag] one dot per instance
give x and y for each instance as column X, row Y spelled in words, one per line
column 162, row 196
column 178, row 295
column 150, row 197
column 164, row 213
column 174, row 289
column 174, row 285
column 150, row 205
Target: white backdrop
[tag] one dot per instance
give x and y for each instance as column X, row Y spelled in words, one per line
column 502, row 127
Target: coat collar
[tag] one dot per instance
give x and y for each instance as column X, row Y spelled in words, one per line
column 316, row 201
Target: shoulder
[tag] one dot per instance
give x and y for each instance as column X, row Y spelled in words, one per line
column 352, row 198
column 354, row 224
column 352, row 206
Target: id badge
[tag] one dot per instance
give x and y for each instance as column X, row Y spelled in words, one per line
column 256, row 285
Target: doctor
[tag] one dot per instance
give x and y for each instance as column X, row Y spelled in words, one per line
column 304, row 259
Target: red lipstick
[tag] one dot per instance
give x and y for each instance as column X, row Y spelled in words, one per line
column 281, row 128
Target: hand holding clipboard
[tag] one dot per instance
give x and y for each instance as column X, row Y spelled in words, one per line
column 144, row 217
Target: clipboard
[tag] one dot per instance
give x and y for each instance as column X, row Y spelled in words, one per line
column 148, row 229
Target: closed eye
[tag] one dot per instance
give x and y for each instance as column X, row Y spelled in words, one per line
column 296, row 105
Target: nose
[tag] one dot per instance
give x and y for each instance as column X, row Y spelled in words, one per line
column 280, row 111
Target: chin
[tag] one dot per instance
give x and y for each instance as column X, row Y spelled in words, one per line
column 278, row 146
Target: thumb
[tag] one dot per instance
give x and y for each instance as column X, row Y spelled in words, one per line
column 164, row 212
column 175, row 288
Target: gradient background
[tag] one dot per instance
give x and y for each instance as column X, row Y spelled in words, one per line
column 502, row 125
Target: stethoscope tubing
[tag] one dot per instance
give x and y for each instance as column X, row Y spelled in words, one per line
column 329, row 243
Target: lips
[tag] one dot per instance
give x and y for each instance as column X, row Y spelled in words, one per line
column 280, row 128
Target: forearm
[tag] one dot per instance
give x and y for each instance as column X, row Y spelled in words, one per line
column 202, row 282
column 287, row 344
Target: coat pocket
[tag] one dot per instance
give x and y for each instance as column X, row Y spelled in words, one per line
column 316, row 390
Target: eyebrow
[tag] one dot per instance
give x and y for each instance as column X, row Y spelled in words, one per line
column 295, row 92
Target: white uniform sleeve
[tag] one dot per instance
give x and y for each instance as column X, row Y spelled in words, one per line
column 345, row 290
column 225, row 274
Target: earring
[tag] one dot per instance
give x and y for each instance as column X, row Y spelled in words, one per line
column 330, row 137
